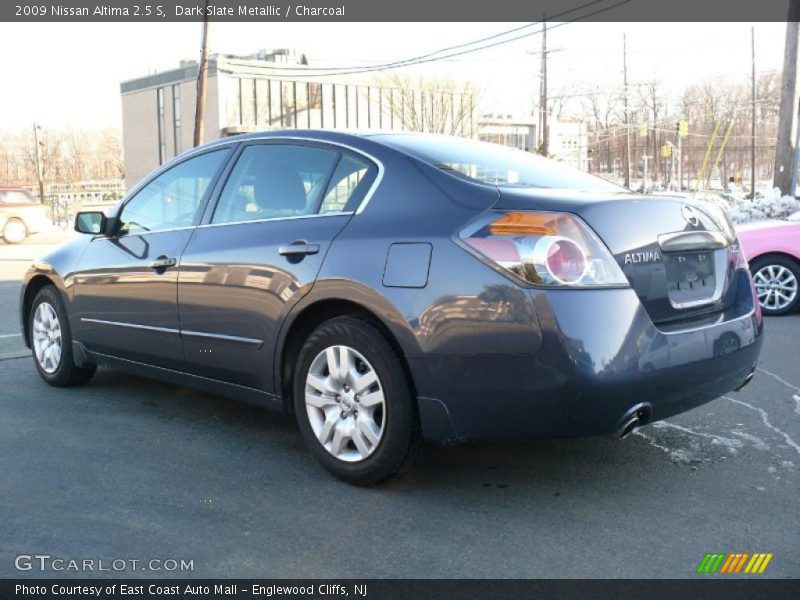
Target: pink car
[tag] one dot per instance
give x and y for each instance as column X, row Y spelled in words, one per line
column 773, row 250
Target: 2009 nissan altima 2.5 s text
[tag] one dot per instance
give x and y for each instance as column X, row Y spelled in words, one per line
column 395, row 290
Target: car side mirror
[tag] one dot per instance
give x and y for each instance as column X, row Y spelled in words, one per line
column 91, row 222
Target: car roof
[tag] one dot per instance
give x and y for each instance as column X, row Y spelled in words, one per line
column 338, row 135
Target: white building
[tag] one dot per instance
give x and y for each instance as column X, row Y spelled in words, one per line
column 508, row 130
column 253, row 93
column 569, row 141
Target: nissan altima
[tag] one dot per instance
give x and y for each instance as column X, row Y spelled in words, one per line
column 396, row 290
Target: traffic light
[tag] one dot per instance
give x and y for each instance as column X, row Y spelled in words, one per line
column 683, row 128
column 666, row 151
column 643, row 129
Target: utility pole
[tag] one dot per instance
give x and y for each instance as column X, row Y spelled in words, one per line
column 543, row 91
column 753, row 121
column 787, row 120
column 39, row 169
column 627, row 156
column 644, row 175
column 202, row 76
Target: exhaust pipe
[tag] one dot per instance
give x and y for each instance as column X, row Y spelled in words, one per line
column 746, row 379
column 628, row 427
column 631, row 419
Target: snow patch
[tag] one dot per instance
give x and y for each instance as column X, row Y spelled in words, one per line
column 765, row 419
column 771, row 205
column 758, row 443
column 730, row 443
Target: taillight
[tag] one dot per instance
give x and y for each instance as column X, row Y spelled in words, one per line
column 545, row 248
column 739, row 259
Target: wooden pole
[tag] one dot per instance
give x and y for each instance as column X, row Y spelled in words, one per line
column 545, row 142
column 202, row 76
column 787, row 120
column 39, row 169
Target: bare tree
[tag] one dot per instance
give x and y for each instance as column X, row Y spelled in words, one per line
column 67, row 156
column 440, row 105
column 652, row 97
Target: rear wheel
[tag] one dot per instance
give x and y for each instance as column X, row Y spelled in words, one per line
column 354, row 404
column 51, row 341
column 14, row 231
column 776, row 279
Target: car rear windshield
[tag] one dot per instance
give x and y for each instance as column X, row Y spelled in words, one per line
column 495, row 164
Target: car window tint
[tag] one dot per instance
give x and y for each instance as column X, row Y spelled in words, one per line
column 273, row 181
column 349, row 174
column 172, row 199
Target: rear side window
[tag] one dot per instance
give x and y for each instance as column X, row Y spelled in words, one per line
column 349, row 178
column 273, row 181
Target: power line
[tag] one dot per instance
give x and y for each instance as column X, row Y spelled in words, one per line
column 431, row 57
column 394, row 64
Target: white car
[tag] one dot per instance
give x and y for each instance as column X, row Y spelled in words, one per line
column 20, row 215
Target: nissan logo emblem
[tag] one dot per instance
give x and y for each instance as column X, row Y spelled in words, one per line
column 690, row 215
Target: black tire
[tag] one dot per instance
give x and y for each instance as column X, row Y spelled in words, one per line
column 401, row 443
column 9, row 239
column 67, row 373
column 778, row 261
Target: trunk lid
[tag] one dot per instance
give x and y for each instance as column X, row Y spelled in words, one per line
column 674, row 255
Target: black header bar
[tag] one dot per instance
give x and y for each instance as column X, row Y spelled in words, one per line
column 65, row 11
column 703, row 587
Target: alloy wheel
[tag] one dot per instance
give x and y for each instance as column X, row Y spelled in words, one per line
column 47, row 337
column 345, row 403
column 776, row 287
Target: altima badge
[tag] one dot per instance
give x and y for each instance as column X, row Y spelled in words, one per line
column 641, row 257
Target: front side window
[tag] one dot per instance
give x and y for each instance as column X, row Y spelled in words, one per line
column 272, row 181
column 172, row 199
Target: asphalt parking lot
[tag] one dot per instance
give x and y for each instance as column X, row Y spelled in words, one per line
column 130, row 468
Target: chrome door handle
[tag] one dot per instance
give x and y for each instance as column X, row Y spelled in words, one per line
column 298, row 248
column 163, row 262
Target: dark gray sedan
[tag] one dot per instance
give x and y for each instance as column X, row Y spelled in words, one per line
column 394, row 290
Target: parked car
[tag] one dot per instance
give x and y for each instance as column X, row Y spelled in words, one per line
column 773, row 249
column 20, row 215
column 399, row 289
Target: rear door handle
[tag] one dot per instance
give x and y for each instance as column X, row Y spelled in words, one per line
column 298, row 248
column 163, row 262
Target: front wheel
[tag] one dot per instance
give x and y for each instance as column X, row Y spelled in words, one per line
column 776, row 280
column 354, row 404
column 51, row 341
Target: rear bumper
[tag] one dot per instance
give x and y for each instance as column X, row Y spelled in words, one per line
column 601, row 358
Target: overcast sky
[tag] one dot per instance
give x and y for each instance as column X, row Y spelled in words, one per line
column 68, row 75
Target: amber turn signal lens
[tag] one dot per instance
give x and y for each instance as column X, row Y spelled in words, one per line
column 524, row 223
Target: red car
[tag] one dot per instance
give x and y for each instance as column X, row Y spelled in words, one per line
column 773, row 250
column 20, row 214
